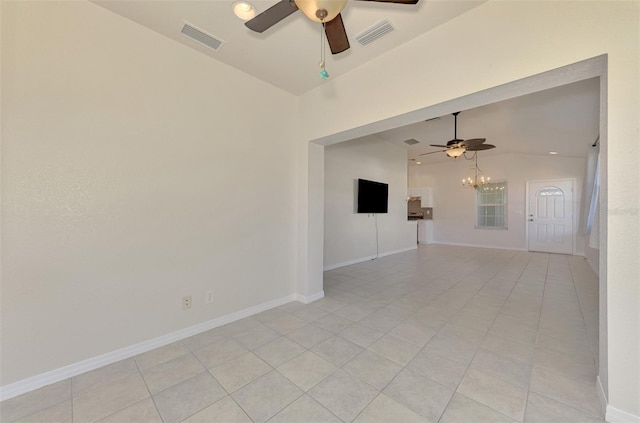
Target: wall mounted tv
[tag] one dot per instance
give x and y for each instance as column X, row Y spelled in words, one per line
column 372, row 196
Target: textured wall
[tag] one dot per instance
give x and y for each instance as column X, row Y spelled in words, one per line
column 127, row 160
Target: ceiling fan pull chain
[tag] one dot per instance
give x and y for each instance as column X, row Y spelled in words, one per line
column 323, row 72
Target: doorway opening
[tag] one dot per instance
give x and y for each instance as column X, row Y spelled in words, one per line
column 591, row 68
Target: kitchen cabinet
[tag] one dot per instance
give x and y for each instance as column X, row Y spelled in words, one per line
column 425, row 194
column 426, row 197
column 425, row 231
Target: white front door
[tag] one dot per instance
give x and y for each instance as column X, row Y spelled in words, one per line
column 550, row 216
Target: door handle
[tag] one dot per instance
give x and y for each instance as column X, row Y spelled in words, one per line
column 530, row 220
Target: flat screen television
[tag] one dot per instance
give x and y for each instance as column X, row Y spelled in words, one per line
column 372, row 196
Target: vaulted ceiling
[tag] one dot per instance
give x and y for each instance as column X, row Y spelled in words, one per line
column 564, row 119
column 287, row 54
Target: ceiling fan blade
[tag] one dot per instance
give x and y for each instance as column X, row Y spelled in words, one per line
column 472, row 142
column 432, row 152
column 481, row 147
column 336, row 35
column 438, row 145
column 272, row 16
column 396, row 1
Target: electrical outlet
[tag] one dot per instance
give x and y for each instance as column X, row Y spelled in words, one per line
column 186, row 302
column 208, row 298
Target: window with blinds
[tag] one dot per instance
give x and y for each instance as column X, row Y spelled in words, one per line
column 491, row 205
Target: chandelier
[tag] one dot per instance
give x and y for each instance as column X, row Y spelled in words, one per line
column 477, row 181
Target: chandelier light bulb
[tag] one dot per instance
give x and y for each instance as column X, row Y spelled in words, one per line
column 477, row 182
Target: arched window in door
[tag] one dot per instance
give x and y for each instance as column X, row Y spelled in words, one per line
column 550, row 202
column 549, row 191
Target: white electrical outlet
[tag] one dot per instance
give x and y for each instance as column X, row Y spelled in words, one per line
column 208, row 298
column 186, row 302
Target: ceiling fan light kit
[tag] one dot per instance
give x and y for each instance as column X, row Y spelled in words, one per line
column 456, row 152
column 457, row 147
column 321, row 10
column 326, row 12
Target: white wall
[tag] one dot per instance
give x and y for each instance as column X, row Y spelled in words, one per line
column 114, row 71
column 348, row 236
column 502, row 42
column 455, row 206
column 126, row 158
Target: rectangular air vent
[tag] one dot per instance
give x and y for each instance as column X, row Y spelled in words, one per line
column 411, row 142
column 201, row 36
column 375, row 32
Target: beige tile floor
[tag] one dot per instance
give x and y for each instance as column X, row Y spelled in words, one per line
column 443, row 334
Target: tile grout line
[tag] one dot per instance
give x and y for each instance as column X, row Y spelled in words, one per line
column 437, row 331
column 148, row 390
column 208, row 371
column 584, row 321
column 555, row 371
column 480, row 346
column 71, row 394
column 511, row 291
column 273, row 369
column 70, row 399
column 544, row 289
column 380, row 391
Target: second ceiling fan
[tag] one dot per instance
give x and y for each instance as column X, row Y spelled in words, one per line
column 326, row 12
column 457, row 147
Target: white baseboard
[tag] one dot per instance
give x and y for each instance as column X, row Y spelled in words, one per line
column 347, row 263
column 310, row 298
column 614, row 415
column 38, row 381
column 402, row 250
column 601, row 395
column 367, row 258
column 456, row 244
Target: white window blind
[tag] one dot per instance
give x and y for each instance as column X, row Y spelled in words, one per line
column 491, row 204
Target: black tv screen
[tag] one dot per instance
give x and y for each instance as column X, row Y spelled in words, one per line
column 372, row 196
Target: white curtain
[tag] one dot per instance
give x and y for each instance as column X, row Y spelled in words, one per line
column 594, row 235
column 590, row 197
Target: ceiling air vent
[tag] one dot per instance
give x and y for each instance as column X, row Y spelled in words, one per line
column 411, row 142
column 201, row 36
column 375, row 32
